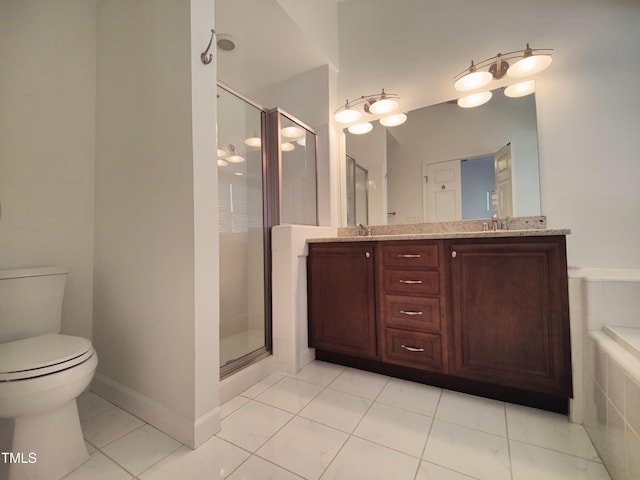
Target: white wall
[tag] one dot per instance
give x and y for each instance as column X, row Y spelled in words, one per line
column 47, row 141
column 156, row 298
column 588, row 121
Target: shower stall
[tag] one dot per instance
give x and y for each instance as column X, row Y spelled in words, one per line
column 266, row 177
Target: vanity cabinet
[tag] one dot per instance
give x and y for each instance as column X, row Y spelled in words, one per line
column 509, row 313
column 342, row 312
column 487, row 316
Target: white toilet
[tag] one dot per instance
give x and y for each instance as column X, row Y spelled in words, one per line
column 41, row 374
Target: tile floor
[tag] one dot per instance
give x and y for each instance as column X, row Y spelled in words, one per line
column 330, row 422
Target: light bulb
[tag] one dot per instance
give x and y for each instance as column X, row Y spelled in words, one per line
column 520, row 89
column 393, row 120
column 360, row 128
column 474, row 100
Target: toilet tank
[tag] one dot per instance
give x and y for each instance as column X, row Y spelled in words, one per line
column 31, row 302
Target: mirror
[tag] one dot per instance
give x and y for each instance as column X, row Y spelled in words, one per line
column 429, row 168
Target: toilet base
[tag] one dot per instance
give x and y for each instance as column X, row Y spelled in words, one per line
column 47, row 446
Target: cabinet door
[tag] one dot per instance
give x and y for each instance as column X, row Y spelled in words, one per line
column 510, row 313
column 342, row 298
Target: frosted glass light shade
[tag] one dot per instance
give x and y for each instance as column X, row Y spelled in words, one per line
column 292, row 132
column 393, row 120
column 529, row 66
column 474, row 100
column 347, row 116
column 253, row 142
column 287, row 147
column 222, row 163
column 235, row 159
column 302, row 142
column 384, row 105
column 221, row 152
column 472, row 80
column 360, row 128
column 520, row 89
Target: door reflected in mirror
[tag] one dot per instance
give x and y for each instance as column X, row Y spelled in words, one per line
column 486, row 159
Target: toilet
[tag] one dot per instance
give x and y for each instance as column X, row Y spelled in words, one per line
column 42, row 372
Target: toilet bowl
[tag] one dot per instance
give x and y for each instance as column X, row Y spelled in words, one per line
column 41, row 376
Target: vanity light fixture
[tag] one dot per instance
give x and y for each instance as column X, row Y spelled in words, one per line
column 287, row 147
column 527, row 62
column 377, row 104
column 381, row 104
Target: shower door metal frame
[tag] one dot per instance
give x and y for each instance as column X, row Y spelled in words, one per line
column 267, row 219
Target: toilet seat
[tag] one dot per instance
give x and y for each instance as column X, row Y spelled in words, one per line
column 42, row 355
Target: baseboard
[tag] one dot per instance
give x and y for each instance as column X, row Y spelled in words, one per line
column 190, row 432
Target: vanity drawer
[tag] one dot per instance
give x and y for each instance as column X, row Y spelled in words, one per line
column 411, row 282
column 413, row 313
column 413, row 349
column 410, row 256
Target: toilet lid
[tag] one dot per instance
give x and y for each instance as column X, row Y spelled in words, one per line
column 41, row 355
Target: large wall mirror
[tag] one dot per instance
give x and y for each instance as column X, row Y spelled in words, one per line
column 451, row 163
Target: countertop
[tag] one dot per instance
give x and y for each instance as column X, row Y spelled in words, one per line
column 515, row 227
column 540, row 232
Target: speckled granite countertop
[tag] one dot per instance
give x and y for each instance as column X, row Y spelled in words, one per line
column 515, row 227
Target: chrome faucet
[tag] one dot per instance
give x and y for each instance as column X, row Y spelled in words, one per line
column 494, row 222
column 363, row 231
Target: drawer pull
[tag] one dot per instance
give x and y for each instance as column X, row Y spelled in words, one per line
column 411, row 282
column 412, row 349
column 410, row 312
column 410, row 255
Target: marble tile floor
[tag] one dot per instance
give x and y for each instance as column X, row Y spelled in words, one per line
column 335, row 423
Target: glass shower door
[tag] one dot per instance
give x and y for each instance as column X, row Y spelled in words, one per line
column 244, row 310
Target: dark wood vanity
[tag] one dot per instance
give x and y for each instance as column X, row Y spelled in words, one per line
column 487, row 316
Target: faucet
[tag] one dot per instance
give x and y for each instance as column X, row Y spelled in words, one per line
column 494, row 222
column 363, row 231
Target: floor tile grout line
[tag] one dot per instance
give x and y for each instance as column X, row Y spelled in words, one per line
column 350, row 435
column 424, row 447
column 506, row 427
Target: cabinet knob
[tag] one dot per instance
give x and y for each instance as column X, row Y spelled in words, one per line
column 454, row 254
column 367, row 254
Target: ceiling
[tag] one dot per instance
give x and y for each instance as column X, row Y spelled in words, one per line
column 410, row 47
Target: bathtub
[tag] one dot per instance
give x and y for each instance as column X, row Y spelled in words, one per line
column 605, row 318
